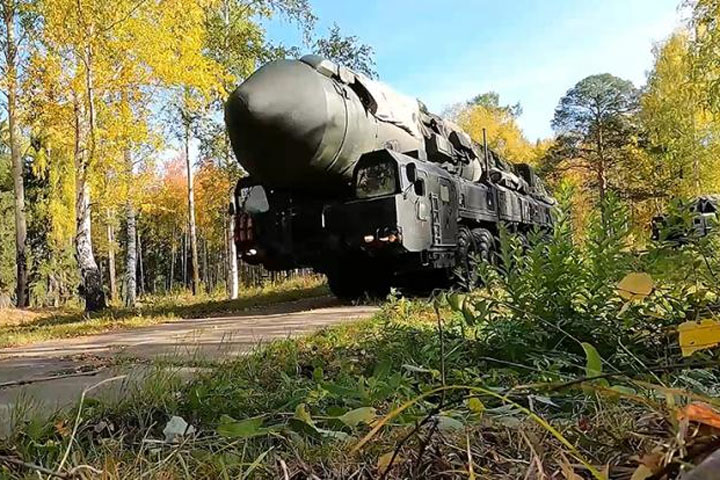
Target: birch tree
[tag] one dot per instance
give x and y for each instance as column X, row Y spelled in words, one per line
column 17, row 20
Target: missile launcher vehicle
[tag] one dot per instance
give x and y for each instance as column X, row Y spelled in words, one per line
column 363, row 184
column 700, row 216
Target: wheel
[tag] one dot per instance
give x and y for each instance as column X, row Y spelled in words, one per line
column 466, row 251
column 485, row 244
column 343, row 285
column 354, row 278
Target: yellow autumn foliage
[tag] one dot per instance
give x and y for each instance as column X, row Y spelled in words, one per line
column 503, row 133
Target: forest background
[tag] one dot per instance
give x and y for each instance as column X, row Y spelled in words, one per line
column 94, row 211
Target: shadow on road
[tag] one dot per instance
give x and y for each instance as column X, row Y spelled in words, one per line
column 273, row 302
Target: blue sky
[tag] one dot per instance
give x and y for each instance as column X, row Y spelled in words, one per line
column 530, row 51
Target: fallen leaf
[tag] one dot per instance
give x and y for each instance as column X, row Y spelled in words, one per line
column 334, row 434
column 449, row 424
column 567, row 469
column 593, row 362
column 360, row 415
column 652, row 461
column 176, row 428
column 456, row 301
column 412, row 368
column 231, row 428
column 635, row 286
column 301, row 413
column 696, row 336
column 62, row 428
column 641, row 473
column 700, row 413
column 584, row 424
column 100, row 426
column 476, row 405
column 384, row 461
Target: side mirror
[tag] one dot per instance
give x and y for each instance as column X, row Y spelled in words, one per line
column 411, row 172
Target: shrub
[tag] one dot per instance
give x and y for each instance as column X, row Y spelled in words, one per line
column 552, row 292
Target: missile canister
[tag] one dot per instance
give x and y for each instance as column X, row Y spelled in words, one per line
column 292, row 128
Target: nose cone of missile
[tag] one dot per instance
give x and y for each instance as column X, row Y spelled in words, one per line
column 285, row 125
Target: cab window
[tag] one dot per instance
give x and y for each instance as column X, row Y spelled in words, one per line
column 253, row 199
column 376, row 180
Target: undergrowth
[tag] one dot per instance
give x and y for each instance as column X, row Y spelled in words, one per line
column 547, row 371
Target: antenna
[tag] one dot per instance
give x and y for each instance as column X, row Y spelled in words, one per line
column 487, row 154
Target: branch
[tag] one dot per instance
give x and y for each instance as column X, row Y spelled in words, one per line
column 31, row 466
column 126, row 17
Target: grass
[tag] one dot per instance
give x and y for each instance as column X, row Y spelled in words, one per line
column 24, row 327
column 301, row 406
column 547, row 371
column 10, row 317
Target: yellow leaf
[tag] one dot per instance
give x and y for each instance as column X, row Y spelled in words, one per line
column 696, row 336
column 635, row 286
column 641, row 473
column 62, row 428
column 475, row 405
column 301, row 413
column 384, row 461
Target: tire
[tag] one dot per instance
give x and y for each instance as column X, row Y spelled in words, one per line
column 343, row 285
column 485, row 244
column 355, row 278
column 467, row 276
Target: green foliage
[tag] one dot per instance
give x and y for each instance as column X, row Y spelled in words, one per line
column 54, row 277
column 681, row 133
column 556, row 294
column 597, row 102
column 315, row 398
column 706, row 65
column 596, row 130
column 491, row 100
column 347, row 51
column 7, row 228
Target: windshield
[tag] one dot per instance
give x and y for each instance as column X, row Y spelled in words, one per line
column 376, row 180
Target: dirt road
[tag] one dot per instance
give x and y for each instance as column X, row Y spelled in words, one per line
column 58, row 371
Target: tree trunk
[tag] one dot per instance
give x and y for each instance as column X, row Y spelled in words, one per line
column 130, row 258
column 91, row 289
column 21, row 290
column 206, row 273
column 183, row 260
column 191, row 211
column 232, row 259
column 111, row 257
column 172, row 262
column 601, row 171
column 141, row 283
